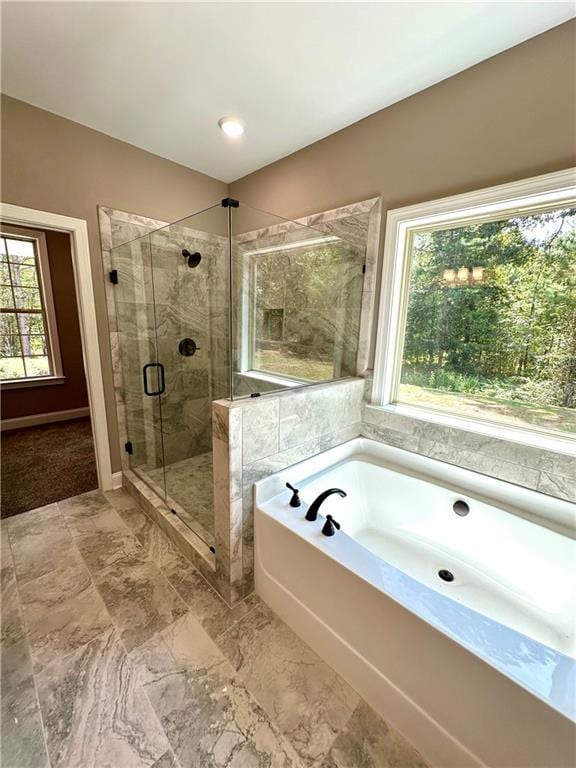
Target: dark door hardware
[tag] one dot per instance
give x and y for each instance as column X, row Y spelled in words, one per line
column 113, row 275
column 229, row 202
column 295, row 500
column 128, row 447
column 188, row 347
column 192, row 259
column 312, row 513
column 330, row 526
column 161, row 379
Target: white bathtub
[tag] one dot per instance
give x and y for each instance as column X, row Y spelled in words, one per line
column 478, row 671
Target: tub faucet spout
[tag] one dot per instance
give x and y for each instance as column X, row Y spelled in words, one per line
column 312, row 513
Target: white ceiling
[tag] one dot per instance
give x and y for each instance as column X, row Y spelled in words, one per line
column 159, row 75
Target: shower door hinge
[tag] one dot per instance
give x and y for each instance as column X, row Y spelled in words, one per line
column 229, row 202
column 212, row 549
column 113, row 276
column 363, row 269
column 128, row 447
column 255, row 394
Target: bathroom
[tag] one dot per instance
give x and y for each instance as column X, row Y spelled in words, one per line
column 330, row 366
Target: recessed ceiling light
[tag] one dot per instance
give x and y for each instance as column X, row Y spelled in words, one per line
column 231, row 126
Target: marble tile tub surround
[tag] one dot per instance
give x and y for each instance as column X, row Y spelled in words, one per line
column 256, row 437
column 540, row 470
column 156, row 671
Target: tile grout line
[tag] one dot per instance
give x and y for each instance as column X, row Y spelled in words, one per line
column 29, row 647
column 238, row 621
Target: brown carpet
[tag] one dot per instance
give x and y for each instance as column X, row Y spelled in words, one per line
column 44, row 464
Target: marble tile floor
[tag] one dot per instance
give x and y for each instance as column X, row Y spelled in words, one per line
column 189, row 490
column 115, row 653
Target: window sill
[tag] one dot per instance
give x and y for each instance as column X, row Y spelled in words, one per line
column 535, row 438
column 43, row 381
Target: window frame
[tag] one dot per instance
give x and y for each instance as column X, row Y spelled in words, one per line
column 48, row 310
column 491, row 204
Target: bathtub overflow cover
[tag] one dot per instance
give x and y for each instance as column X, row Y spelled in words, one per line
column 461, row 508
column 446, row 575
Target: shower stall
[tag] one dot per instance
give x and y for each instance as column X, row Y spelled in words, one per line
column 229, row 302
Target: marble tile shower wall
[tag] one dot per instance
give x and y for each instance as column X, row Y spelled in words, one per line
column 540, row 470
column 257, row 437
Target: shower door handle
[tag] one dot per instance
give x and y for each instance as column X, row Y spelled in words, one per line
column 161, row 379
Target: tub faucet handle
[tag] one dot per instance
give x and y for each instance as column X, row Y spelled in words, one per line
column 330, row 526
column 295, row 500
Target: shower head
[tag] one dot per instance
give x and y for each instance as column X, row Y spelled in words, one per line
column 193, row 259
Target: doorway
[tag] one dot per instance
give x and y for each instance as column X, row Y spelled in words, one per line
column 54, row 430
column 47, row 446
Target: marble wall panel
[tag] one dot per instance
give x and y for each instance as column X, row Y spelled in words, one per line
column 260, row 431
column 248, row 446
column 313, row 412
column 541, row 470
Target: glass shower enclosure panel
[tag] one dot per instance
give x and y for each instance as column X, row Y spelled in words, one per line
column 142, row 374
column 296, row 303
column 191, row 293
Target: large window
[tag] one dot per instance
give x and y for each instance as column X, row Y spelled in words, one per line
column 482, row 297
column 28, row 343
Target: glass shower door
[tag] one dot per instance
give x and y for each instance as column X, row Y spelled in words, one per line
column 143, row 376
column 190, row 266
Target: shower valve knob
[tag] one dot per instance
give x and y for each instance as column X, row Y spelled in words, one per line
column 188, row 347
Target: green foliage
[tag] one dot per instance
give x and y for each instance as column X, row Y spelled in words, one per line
column 513, row 333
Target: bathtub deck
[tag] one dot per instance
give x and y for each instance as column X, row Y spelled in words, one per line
column 116, row 652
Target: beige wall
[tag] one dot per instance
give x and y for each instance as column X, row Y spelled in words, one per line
column 511, row 116
column 56, row 165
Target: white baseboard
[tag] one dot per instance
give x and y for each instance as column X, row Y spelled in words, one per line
column 116, row 480
column 43, row 418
